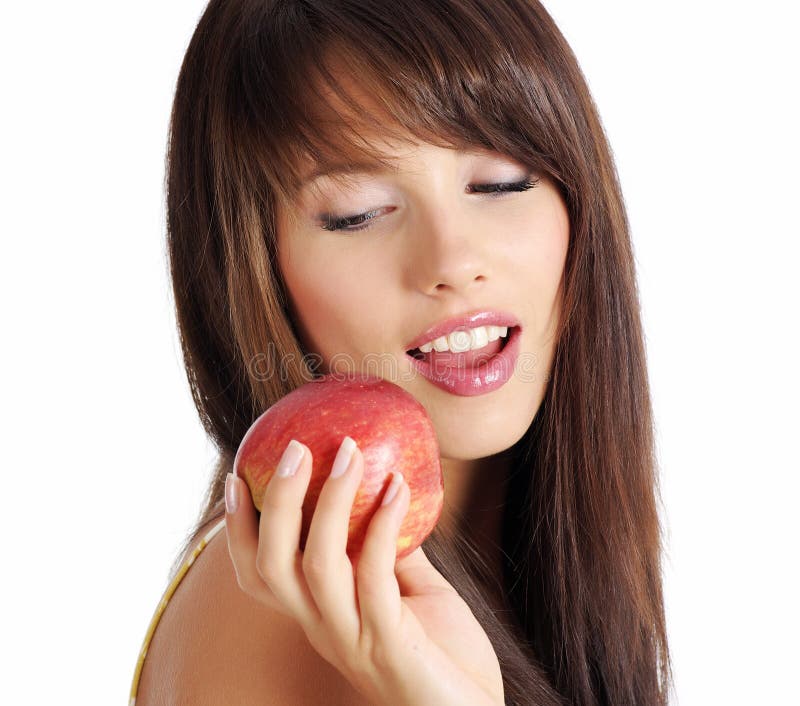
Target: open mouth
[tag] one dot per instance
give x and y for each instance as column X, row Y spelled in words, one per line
column 467, row 358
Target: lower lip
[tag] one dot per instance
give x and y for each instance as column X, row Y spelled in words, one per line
column 480, row 380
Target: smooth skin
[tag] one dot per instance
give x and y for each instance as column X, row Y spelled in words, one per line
column 397, row 631
column 435, row 248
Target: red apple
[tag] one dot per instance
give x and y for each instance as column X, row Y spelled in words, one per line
column 390, row 427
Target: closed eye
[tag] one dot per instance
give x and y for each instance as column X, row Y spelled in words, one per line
column 523, row 185
column 351, row 224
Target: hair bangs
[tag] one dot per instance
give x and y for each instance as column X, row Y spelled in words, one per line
column 365, row 81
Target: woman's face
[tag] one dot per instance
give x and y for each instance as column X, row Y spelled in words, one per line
column 436, row 248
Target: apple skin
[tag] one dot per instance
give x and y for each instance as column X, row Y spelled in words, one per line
column 392, row 430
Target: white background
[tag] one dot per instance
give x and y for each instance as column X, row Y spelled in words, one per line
column 105, row 463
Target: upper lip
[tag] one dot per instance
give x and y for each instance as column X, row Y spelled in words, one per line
column 484, row 317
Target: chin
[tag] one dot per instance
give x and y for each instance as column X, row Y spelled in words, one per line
column 466, row 442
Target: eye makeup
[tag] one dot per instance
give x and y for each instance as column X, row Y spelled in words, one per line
column 361, row 221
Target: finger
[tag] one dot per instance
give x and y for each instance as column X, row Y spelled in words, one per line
column 241, row 528
column 279, row 559
column 326, row 565
column 378, row 591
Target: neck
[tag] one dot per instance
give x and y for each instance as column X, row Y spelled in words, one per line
column 474, row 495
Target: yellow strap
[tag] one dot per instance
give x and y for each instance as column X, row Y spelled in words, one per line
column 163, row 604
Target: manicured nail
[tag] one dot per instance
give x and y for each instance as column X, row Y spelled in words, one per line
column 394, row 486
column 231, row 496
column 343, row 456
column 290, row 461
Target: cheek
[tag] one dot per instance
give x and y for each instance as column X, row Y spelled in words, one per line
column 542, row 251
column 555, row 243
column 327, row 286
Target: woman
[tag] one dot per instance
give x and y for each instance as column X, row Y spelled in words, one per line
column 342, row 176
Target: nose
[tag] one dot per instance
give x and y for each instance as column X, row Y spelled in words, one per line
column 448, row 253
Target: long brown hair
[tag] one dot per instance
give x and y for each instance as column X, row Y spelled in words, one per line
column 581, row 529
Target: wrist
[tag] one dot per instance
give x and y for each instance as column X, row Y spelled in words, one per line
column 436, row 680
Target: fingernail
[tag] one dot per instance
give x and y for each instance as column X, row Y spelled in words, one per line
column 290, row 461
column 343, row 456
column 231, row 496
column 394, row 486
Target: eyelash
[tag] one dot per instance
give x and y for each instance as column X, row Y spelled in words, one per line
column 346, row 224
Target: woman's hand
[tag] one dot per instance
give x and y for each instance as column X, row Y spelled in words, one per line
column 396, row 630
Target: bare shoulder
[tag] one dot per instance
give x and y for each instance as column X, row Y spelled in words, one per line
column 216, row 645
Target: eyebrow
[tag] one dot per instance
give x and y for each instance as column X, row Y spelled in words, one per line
column 371, row 168
column 345, row 168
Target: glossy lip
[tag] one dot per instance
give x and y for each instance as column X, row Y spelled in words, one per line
column 472, row 381
column 466, row 321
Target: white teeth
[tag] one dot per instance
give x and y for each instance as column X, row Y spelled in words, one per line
column 460, row 341
column 479, row 337
column 469, row 340
column 440, row 344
